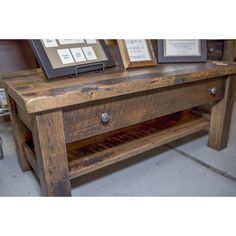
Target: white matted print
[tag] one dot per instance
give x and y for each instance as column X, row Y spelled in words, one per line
column 50, row 43
column 137, row 50
column 78, row 54
column 182, row 48
column 65, row 56
column 70, row 41
column 89, row 53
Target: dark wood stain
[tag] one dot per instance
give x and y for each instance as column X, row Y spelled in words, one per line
column 87, row 89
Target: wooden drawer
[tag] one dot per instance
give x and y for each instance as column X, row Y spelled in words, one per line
column 85, row 120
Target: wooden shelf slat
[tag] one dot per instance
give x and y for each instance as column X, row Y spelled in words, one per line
column 88, row 156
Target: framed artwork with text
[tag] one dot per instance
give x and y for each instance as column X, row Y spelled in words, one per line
column 68, row 57
column 137, row 53
column 181, row 50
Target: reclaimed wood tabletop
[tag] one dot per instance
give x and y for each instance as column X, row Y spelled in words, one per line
column 34, row 94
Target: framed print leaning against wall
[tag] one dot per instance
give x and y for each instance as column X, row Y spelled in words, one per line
column 181, row 50
column 136, row 53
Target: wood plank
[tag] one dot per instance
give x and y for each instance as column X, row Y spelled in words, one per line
column 85, row 121
column 215, row 49
column 25, row 117
column 230, row 53
column 83, row 165
column 20, row 73
column 221, row 116
column 229, row 50
column 51, row 154
column 35, row 95
column 19, row 133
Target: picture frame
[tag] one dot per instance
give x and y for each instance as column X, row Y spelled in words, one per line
column 177, row 51
column 137, row 53
column 71, row 57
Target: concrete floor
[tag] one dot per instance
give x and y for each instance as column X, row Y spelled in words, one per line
column 183, row 168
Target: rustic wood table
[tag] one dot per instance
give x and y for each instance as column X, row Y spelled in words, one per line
column 82, row 124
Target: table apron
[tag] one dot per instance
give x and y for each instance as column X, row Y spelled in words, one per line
column 84, row 120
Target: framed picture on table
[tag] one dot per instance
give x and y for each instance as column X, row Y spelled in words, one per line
column 137, row 53
column 181, row 50
column 68, row 57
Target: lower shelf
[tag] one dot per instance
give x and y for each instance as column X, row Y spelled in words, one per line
column 94, row 153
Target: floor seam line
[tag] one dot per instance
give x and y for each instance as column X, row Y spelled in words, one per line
column 202, row 163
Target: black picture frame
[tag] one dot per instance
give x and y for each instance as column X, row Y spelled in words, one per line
column 181, row 59
column 53, row 73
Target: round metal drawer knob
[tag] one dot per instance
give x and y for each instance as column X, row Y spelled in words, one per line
column 213, row 91
column 105, row 118
column 211, row 49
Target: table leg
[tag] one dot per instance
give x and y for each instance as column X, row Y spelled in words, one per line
column 51, row 154
column 19, row 133
column 221, row 116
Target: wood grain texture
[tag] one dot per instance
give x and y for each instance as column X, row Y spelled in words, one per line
column 36, row 95
column 221, row 117
column 215, row 49
column 19, row 132
column 51, row 154
column 18, row 74
column 229, row 50
column 122, row 146
column 25, row 117
column 85, row 120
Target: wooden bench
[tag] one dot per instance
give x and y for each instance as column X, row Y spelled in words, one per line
column 82, row 124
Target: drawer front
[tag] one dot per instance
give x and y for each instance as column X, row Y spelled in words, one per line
column 102, row 116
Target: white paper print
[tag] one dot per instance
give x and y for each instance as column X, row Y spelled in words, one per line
column 89, row 53
column 65, row 56
column 50, row 43
column 70, row 41
column 181, row 47
column 137, row 50
column 91, row 41
column 78, row 54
